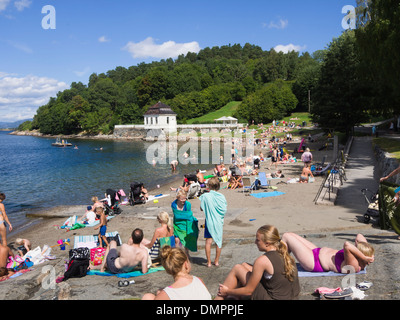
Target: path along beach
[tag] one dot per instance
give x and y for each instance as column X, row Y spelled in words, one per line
column 294, row 211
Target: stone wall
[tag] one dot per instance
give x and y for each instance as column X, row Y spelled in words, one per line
column 130, row 132
column 387, row 164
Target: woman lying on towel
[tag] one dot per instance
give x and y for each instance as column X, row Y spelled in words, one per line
column 272, row 277
column 185, row 286
column 314, row 259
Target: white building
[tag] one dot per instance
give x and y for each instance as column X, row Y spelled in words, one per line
column 160, row 116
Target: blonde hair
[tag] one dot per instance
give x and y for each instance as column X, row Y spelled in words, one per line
column 172, row 259
column 181, row 193
column 164, row 218
column 365, row 248
column 95, row 199
column 19, row 241
column 270, row 235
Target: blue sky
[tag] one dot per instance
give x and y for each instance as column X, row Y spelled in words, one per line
column 94, row 36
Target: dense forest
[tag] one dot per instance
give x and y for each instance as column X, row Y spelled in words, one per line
column 193, row 85
column 355, row 77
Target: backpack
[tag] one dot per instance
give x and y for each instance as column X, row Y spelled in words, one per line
column 76, row 269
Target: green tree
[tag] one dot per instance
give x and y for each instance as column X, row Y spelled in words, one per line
column 342, row 94
column 273, row 101
column 378, row 37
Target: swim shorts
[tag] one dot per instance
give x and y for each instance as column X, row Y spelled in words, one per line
column 207, row 234
column 111, row 257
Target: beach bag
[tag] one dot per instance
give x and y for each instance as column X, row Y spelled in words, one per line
column 97, row 256
column 79, row 254
column 76, row 269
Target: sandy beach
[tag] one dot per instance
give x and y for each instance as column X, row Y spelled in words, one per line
column 293, row 211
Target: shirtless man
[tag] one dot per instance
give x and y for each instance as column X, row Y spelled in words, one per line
column 131, row 255
column 3, row 220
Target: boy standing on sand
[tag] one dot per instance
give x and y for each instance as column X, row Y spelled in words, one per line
column 102, row 226
column 214, row 206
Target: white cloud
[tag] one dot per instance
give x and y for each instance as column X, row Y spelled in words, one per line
column 282, row 24
column 20, row 46
column 289, row 48
column 83, row 72
column 21, row 96
column 170, row 49
column 22, row 4
column 103, row 39
column 4, row 4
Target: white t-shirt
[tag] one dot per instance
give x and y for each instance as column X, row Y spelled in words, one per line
column 91, row 217
column 194, row 291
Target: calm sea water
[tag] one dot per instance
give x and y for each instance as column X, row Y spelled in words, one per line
column 34, row 175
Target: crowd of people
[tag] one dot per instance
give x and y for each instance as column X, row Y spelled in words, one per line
column 272, row 276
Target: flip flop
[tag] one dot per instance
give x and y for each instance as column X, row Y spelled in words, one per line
column 365, row 285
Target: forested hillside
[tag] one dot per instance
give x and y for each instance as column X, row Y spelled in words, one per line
column 193, row 85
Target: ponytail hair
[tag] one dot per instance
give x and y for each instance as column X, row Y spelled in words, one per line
column 270, row 235
column 165, row 218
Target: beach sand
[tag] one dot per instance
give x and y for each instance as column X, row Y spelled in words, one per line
column 294, row 211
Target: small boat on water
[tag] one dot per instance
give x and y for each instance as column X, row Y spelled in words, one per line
column 61, row 143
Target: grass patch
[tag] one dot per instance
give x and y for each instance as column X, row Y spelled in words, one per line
column 226, row 111
column 391, row 146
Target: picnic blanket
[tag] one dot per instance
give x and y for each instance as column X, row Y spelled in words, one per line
column 90, row 241
column 267, row 194
column 304, row 273
column 135, row 273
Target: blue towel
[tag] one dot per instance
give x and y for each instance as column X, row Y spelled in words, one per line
column 214, row 206
column 131, row 274
column 267, row 194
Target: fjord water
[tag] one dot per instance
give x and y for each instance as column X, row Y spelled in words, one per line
column 34, row 175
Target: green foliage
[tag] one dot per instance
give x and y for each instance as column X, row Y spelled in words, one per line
column 193, row 85
column 274, row 101
column 341, row 97
column 378, row 37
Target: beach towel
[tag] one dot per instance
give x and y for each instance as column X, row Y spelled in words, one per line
column 214, row 206
column 186, row 226
column 156, row 197
column 95, row 223
column 267, row 194
column 304, row 273
column 91, row 240
column 131, row 274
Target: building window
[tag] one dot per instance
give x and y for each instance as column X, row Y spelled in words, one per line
column 167, row 120
column 147, row 120
column 156, row 120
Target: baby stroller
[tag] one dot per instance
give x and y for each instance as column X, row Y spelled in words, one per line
column 111, row 203
column 373, row 205
column 135, row 196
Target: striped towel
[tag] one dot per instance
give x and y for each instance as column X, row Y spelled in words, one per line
column 91, row 241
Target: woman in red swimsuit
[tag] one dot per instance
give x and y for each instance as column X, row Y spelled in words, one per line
column 315, row 259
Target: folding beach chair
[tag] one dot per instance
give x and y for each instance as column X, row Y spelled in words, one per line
column 247, row 184
column 264, row 182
